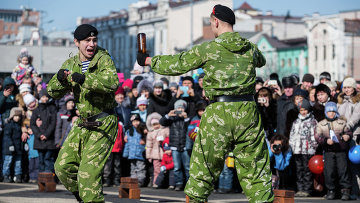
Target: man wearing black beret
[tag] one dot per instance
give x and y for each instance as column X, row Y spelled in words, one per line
column 92, row 77
column 231, row 123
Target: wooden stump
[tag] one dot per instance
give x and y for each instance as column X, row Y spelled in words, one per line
column 284, row 196
column 129, row 188
column 46, row 182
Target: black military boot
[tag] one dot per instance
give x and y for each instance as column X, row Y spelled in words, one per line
column 77, row 196
column 345, row 194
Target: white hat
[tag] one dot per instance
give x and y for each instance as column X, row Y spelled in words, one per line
column 349, row 82
column 24, row 88
column 28, row 99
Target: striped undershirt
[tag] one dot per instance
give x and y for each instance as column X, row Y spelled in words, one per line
column 85, row 65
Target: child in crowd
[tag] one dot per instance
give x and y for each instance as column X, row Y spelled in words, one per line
column 12, row 147
column 280, row 155
column 141, row 104
column 194, row 125
column 154, row 139
column 178, row 121
column 167, row 167
column 33, row 156
column 63, row 120
column 303, row 144
column 134, row 148
column 24, row 68
column 334, row 136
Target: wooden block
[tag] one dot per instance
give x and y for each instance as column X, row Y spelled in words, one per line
column 134, row 193
column 284, row 193
column 46, row 177
column 129, row 185
column 123, row 193
column 283, row 200
column 128, row 180
column 41, row 187
column 50, row 187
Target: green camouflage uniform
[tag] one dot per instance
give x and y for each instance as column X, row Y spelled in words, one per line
column 83, row 155
column 229, row 64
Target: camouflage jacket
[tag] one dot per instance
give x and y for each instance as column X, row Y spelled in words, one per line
column 97, row 93
column 229, row 64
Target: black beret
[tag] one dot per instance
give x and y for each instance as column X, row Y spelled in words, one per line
column 224, row 13
column 85, row 30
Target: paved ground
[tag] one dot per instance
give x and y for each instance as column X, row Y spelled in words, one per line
column 26, row 192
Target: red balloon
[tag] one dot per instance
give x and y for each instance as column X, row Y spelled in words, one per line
column 316, row 164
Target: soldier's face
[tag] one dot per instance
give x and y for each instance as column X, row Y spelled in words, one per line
column 87, row 48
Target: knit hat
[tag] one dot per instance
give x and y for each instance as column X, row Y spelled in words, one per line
column 301, row 92
column 16, row 111
column 128, row 83
column 153, row 121
column 200, row 105
column 137, row 67
column 308, row 78
column 165, row 144
column 135, row 117
column 349, row 82
column 43, row 92
column 24, row 88
column 68, row 98
column 28, row 99
column 120, row 90
column 304, row 104
column 173, row 84
column 331, row 84
column 141, row 101
column 158, row 83
column 180, row 104
column 325, row 75
column 323, row 88
column 288, row 82
column 331, row 107
column 259, row 80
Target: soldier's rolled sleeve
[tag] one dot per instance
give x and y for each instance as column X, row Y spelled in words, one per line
column 105, row 81
column 180, row 63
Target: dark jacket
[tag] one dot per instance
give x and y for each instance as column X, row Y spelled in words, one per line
column 47, row 113
column 12, row 137
column 7, row 103
column 62, row 123
column 178, row 129
column 123, row 115
column 160, row 104
column 284, row 105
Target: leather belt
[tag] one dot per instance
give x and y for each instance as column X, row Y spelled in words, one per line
column 234, row 98
column 91, row 121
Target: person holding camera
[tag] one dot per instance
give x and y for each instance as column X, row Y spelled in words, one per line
column 267, row 107
column 178, row 121
column 303, row 143
column 280, row 155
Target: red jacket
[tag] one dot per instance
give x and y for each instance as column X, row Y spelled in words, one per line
column 167, row 161
column 119, row 142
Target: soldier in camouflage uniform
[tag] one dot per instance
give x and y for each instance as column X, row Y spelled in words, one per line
column 231, row 122
column 92, row 77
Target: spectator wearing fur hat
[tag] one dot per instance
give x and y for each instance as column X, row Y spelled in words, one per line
column 154, row 139
column 349, row 107
column 159, row 99
column 43, row 123
column 333, row 86
column 24, row 89
column 303, row 144
column 307, row 81
column 284, row 104
column 63, row 120
column 12, row 146
column 322, row 96
column 145, row 87
column 178, row 121
column 324, row 77
column 173, row 87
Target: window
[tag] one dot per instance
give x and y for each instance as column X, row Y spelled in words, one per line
column 5, row 27
column 282, row 63
column 306, row 61
column 316, row 55
column 324, row 52
column 296, row 62
column 289, row 62
column 12, row 28
column 333, row 51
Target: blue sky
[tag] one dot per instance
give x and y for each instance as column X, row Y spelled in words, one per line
column 64, row 12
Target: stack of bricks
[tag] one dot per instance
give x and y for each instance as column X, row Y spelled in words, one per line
column 284, row 196
column 46, row 182
column 129, row 188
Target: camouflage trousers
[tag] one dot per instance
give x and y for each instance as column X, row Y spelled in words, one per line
column 227, row 126
column 82, row 158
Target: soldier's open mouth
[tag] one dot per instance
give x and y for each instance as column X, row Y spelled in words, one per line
column 90, row 51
